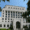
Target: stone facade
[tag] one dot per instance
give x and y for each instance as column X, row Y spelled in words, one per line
column 12, row 13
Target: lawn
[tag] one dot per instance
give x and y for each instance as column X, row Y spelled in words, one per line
column 5, row 29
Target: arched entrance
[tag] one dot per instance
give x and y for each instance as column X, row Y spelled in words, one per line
column 18, row 25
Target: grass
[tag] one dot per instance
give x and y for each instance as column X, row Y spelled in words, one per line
column 5, row 29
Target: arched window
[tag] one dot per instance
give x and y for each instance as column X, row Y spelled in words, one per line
column 17, row 24
column 4, row 25
column 7, row 25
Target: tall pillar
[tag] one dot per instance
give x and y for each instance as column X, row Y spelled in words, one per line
column 2, row 25
column 7, row 16
column 14, row 25
column 4, row 15
column 22, row 22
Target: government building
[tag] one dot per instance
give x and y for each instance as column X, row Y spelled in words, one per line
column 13, row 15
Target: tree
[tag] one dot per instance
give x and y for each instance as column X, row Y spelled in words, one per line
column 27, row 13
column 4, row 0
column 0, row 9
column 11, row 26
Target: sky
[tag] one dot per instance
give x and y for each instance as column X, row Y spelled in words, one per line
column 20, row 3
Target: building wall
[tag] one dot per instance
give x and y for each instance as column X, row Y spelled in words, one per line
column 15, row 9
column 0, row 19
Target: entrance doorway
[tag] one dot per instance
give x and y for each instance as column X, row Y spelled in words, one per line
column 18, row 25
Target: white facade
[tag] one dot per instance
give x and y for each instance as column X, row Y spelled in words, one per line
column 12, row 13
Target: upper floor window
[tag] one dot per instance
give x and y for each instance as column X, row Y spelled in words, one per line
column 13, row 14
column 19, row 15
column 22, row 8
column 8, row 21
column 16, row 14
column 5, row 18
column 2, row 18
column 8, row 18
column 16, row 8
column 6, row 11
column 8, row 7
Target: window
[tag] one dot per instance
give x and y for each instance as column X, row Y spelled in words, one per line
column 13, row 14
column 11, row 19
column 16, row 14
column 4, row 26
column 8, row 21
column 8, row 18
column 0, row 25
column 2, row 18
column 16, row 8
column 19, row 15
column 5, row 18
column 7, row 25
column 8, row 7
column 18, row 25
column 8, row 12
column 11, row 7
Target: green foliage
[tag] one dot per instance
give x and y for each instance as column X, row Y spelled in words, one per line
column 4, row 0
column 7, row 0
column 25, row 27
column 11, row 27
column 27, row 12
column 0, row 9
column 4, row 29
column 28, row 6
